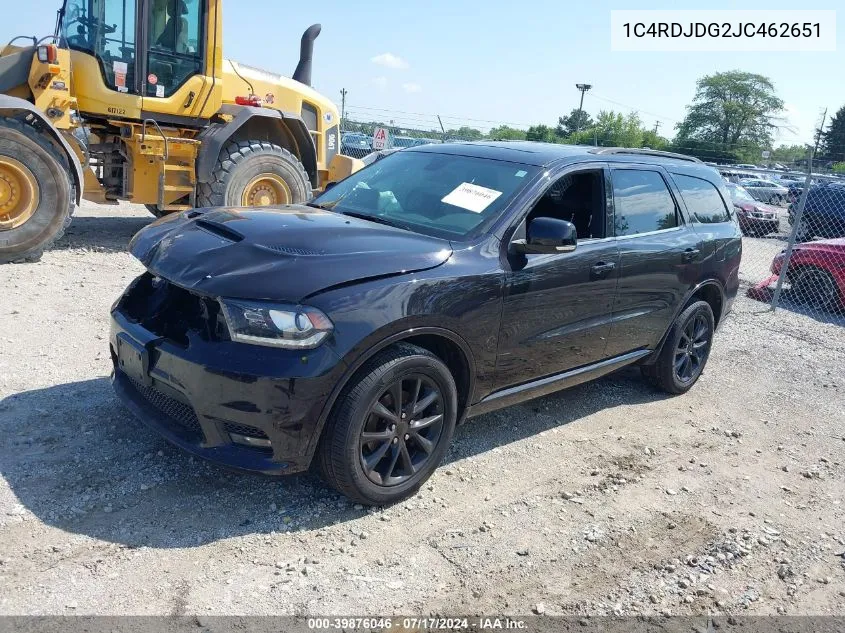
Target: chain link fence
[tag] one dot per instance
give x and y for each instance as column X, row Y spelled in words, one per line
column 794, row 240
column 793, row 222
column 359, row 127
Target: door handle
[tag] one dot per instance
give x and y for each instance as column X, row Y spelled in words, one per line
column 690, row 254
column 189, row 100
column 600, row 269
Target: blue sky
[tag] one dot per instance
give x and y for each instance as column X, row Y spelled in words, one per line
column 481, row 63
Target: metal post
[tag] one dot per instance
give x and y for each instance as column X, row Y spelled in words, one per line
column 342, row 105
column 583, row 88
column 799, row 212
column 796, row 224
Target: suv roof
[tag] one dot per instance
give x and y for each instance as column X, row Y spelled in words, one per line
column 546, row 154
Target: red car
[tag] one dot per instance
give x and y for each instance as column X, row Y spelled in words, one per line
column 816, row 273
column 755, row 217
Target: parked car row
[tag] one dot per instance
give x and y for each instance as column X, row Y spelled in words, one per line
column 358, row 144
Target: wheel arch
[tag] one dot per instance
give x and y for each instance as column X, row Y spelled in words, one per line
column 264, row 124
column 710, row 290
column 448, row 346
column 27, row 113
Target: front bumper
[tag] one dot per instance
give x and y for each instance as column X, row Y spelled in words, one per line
column 243, row 406
column 769, row 225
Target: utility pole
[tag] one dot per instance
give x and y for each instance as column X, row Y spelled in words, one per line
column 656, row 127
column 442, row 129
column 819, row 133
column 583, row 88
column 343, row 104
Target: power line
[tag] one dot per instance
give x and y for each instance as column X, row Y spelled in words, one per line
column 634, row 109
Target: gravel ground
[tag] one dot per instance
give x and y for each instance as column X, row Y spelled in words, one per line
column 609, row 498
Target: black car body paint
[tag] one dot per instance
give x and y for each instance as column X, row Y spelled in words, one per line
column 521, row 325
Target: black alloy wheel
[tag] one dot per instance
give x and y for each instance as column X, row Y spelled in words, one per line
column 390, row 427
column 681, row 360
column 692, row 348
column 402, row 429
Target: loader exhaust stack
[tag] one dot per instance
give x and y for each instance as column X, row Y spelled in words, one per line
column 302, row 73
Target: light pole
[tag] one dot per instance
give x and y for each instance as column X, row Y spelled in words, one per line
column 583, row 88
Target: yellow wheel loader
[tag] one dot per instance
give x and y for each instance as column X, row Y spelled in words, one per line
column 133, row 100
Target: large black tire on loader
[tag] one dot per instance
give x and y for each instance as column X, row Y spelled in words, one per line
column 255, row 174
column 37, row 195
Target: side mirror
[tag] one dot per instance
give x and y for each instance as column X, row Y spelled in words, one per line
column 548, row 236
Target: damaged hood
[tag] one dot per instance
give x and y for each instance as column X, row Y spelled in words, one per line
column 278, row 253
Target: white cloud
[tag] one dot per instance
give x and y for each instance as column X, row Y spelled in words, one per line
column 411, row 87
column 380, row 82
column 389, row 60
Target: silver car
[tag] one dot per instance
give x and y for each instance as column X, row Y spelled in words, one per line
column 766, row 190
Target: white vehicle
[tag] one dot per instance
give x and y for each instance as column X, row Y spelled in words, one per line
column 765, row 190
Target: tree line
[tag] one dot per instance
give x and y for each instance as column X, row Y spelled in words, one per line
column 732, row 118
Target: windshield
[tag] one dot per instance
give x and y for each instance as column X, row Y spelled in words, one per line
column 442, row 195
column 738, row 194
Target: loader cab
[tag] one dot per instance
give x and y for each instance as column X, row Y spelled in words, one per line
column 156, row 58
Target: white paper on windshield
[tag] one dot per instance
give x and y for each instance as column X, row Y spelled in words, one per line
column 471, row 197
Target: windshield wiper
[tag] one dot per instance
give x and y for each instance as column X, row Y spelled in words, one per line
column 376, row 218
column 315, row 205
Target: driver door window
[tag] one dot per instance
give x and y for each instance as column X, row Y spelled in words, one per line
column 176, row 32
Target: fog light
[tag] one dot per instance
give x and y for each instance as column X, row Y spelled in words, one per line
column 257, row 442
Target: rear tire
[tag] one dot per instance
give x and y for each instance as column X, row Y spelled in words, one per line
column 394, row 462
column 685, row 352
column 255, row 173
column 37, row 193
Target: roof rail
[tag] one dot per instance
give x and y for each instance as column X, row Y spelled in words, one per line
column 643, row 152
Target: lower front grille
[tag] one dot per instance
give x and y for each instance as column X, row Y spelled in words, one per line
column 180, row 414
column 243, row 429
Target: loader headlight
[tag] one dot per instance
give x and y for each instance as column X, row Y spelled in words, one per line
column 275, row 325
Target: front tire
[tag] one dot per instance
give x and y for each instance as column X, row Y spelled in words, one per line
column 803, row 233
column 814, row 287
column 255, row 174
column 391, row 426
column 685, row 351
column 37, row 195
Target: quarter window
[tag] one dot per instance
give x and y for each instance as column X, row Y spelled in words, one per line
column 642, row 202
column 703, row 199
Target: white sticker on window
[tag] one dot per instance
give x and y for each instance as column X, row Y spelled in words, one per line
column 120, row 67
column 471, row 197
column 521, row 173
column 159, row 90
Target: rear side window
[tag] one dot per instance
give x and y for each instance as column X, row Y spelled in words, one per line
column 642, row 202
column 703, row 199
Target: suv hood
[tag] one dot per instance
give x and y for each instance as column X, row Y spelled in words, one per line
column 278, row 253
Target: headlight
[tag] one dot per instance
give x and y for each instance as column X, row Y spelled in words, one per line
column 275, row 325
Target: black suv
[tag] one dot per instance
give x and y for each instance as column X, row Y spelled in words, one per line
column 439, row 283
